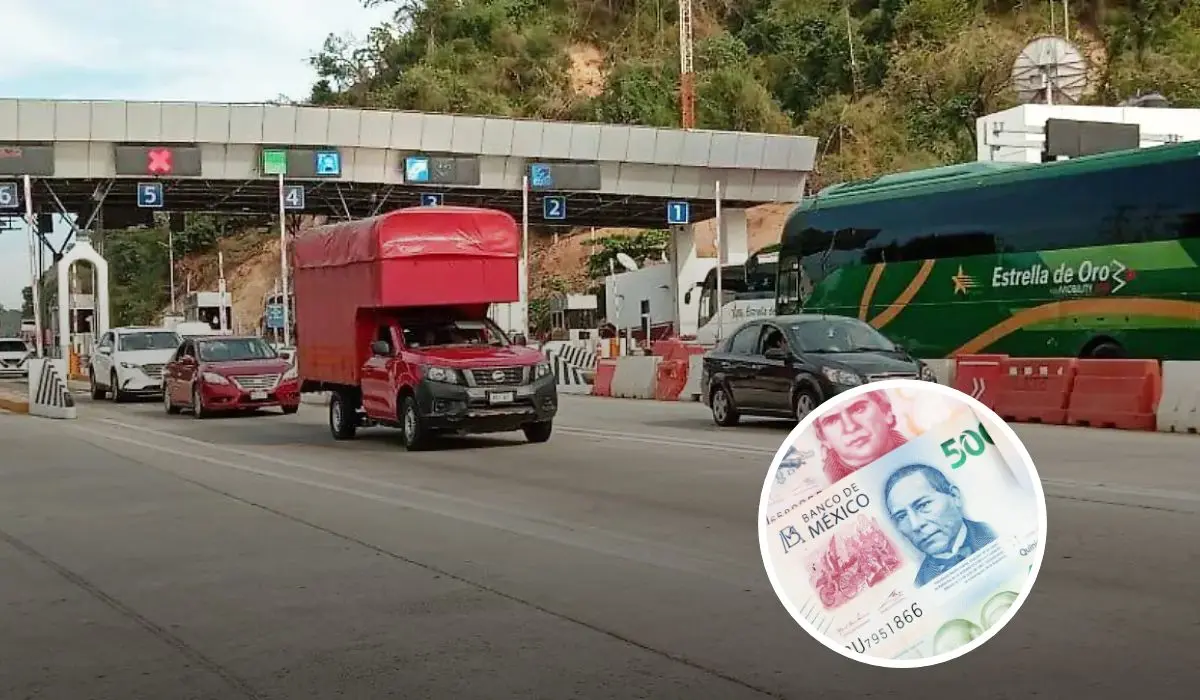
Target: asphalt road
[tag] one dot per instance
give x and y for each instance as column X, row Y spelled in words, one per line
column 147, row 556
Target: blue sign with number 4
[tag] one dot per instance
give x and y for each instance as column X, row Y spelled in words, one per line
column 293, row 197
column 150, row 195
column 679, row 213
column 554, row 208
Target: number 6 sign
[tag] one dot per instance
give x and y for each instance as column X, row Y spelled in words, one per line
column 9, row 198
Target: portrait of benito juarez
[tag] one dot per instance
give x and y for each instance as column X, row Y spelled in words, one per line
column 928, row 509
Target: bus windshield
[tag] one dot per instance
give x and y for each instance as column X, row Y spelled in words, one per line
column 753, row 280
column 1028, row 260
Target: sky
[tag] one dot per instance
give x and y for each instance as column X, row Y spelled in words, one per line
column 189, row 50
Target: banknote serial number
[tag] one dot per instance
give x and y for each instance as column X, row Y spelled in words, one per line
column 905, row 618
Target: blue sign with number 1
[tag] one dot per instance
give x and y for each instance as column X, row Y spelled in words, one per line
column 554, row 208
column 678, row 213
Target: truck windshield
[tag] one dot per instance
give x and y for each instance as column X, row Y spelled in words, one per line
column 426, row 334
column 151, row 340
column 235, row 349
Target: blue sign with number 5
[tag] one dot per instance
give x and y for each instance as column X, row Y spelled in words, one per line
column 150, row 195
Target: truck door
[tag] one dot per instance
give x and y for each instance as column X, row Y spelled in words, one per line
column 378, row 392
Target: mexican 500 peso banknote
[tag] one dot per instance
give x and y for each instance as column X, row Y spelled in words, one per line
column 916, row 553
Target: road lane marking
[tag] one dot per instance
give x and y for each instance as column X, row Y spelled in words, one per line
column 577, row 535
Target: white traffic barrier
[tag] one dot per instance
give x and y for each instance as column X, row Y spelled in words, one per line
column 572, row 352
column 691, row 389
column 1179, row 407
column 49, row 396
column 636, row 377
column 569, row 378
column 943, row 370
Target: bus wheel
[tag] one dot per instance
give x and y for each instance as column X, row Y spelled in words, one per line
column 1105, row 350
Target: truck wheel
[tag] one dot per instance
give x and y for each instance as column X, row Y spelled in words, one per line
column 342, row 418
column 538, row 432
column 416, row 437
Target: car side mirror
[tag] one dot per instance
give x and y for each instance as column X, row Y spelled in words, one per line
column 687, row 297
column 777, row 354
column 520, row 339
column 381, row 347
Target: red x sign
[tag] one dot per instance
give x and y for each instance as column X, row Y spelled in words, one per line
column 158, row 161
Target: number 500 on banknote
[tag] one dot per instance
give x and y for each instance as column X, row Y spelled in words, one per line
column 919, row 555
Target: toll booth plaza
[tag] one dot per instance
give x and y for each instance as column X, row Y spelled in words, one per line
column 114, row 163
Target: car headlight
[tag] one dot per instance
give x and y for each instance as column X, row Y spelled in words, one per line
column 842, row 376
column 927, row 373
column 441, row 374
column 541, row 369
column 213, row 378
column 130, row 365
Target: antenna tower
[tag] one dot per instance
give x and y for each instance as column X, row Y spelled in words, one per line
column 687, row 76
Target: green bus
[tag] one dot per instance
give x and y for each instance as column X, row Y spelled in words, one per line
column 1089, row 257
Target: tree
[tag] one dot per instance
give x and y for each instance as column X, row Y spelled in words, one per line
column 649, row 244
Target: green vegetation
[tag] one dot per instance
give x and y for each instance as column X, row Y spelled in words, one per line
column 886, row 85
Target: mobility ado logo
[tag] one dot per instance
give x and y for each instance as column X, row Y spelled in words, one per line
column 1085, row 279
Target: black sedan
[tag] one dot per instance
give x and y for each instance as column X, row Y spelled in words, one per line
column 788, row 365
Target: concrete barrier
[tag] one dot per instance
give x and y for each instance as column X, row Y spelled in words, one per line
column 1179, row 408
column 635, row 377
column 943, row 370
column 569, row 377
column 691, row 390
column 49, row 396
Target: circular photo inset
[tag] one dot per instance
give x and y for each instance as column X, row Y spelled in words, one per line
column 902, row 523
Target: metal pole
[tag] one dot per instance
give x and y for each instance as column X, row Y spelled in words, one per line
column 35, row 275
column 720, row 294
column 171, row 262
column 525, row 253
column 283, row 265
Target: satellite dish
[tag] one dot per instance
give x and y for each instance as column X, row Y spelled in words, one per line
column 627, row 262
column 1049, row 70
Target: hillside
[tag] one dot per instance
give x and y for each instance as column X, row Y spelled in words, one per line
column 885, row 85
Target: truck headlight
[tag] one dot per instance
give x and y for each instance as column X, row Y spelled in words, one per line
column 842, row 377
column 289, row 375
column 927, row 373
column 441, row 374
column 541, row 369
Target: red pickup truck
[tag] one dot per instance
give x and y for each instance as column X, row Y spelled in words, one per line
column 392, row 320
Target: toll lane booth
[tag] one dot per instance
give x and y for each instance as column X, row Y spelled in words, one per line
column 208, row 307
column 573, row 316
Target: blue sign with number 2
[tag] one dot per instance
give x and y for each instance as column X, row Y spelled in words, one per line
column 554, row 208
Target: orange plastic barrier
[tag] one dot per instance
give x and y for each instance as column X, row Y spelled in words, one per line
column 1116, row 394
column 602, row 381
column 675, row 349
column 672, row 377
column 1035, row 389
column 978, row 376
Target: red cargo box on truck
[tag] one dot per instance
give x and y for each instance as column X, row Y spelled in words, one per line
column 391, row 314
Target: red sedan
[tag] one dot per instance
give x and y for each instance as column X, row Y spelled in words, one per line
column 223, row 374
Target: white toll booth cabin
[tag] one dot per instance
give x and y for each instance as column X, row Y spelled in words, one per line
column 575, row 316
column 208, row 307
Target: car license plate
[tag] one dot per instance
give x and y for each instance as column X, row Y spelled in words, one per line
column 501, row 397
column 258, row 395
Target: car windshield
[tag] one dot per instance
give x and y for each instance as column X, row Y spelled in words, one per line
column 13, row 346
column 235, row 349
column 453, row 333
column 149, row 340
column 838, row 335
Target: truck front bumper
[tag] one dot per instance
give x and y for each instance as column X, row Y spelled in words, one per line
column 453, row 407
